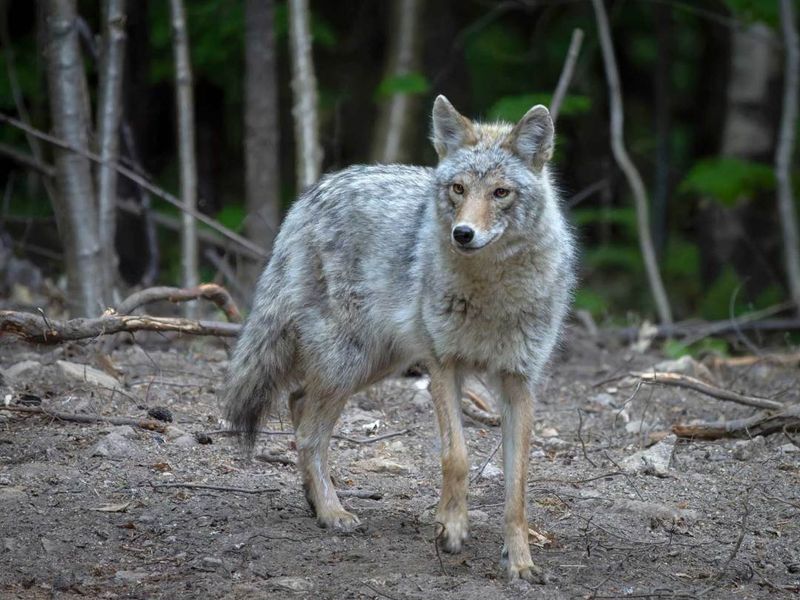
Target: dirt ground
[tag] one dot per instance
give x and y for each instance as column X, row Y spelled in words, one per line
column 87, row 509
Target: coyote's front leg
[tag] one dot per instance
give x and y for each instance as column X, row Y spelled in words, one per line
column 517, row 424
column 452, row 512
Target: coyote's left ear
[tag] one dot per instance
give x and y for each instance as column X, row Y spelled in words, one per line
column 532, row 138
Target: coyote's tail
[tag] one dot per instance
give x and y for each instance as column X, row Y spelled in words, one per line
column 259, row 371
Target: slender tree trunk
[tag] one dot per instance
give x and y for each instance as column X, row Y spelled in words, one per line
column 785, row 150
column 566, row 73
column 393, row 132
column 186, row 148
column 75, row 207
column 627, row 166
column 308, row 151
column 261, row 130
column 109, row 114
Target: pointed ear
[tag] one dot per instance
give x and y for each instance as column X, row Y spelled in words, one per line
column 451, row 130
column 532, row 138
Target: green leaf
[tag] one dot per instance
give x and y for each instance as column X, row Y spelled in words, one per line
column 755, row 10
column 675, row 349
column 587, row 299
column 613, row 256
column 409, row 83
column 625, row 218
column 232, row 216
column 716, row 302
column 728, row 180
column 512, row 108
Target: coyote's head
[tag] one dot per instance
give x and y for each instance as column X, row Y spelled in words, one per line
column 491, row 178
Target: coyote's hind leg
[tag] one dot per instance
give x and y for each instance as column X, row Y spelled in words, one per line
column 314, row 415
column 452, row 512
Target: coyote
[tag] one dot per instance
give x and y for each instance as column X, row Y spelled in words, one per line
column 466, row 267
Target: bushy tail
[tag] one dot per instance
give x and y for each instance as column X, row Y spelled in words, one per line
column 260, row 371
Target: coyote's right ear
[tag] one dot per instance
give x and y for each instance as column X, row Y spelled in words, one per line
column 532, row 137
column 451, row 130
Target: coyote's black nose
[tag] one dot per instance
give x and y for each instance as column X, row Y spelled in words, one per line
column 463, row 234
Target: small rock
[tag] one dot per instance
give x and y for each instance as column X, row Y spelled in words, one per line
column 173, row 433
column 87, row 374
column 115, row 445
column 130, row 576
column 160, row 413
column 652, row 461
column 12, row 495
column 203, row 438
column 788, row 449
column 292, row 584
column 556, row 444
column 548, row 432
column 212, row 561
column 21, row 370
column 383, row 465
column 685, row 365
column 185, row 441
column 603, row 400
column 747, row 449
column 652, row 510
column 491, row 471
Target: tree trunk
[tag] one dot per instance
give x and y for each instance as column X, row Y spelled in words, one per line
column 75, row 208
column 628, row 168
column 308, row 152
column 109, row 114
column 393, row 132
column 785, row 150
column 261, row 130
column 186, row 148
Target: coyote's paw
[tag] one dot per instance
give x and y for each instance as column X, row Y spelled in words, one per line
column 522, row 568
column 456, row 531
column 338, row 520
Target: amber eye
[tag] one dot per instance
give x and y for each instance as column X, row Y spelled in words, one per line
column 500, row 193
column 458, row 188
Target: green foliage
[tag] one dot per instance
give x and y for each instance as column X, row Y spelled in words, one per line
column 624, row 217
column 727, row 180
column 232, row 216
column 594, row 302
column 755, row 10
column 496, row 61
column 614, row 256
column 409, row 83
column 708, row 346
column 715, row 304
column 512, row 108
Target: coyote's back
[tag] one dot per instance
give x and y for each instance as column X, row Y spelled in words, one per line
column 465, row 267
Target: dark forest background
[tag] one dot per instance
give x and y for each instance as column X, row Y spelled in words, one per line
column 702, row 83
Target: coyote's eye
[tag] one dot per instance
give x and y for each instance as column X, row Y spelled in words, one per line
column 500, row 193
column 458, row 188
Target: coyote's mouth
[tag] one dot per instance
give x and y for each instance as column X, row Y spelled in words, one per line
column 470, row 250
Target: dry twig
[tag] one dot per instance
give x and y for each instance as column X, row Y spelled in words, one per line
column 218, row 488
column 764, row 423
column 209, row 291
column 680, row 380
column 148, row 424
column 41, row 330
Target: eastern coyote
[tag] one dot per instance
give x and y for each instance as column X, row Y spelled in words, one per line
column 465, row 267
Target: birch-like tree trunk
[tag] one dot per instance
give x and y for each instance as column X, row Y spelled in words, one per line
column 184, row 99
column 75, row 206
column 393, row 132
column 628, row 168
column 785, row 149
column 109, row 114
column 308, row 151
column 261, row 129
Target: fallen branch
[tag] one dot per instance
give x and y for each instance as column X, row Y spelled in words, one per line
column 680, row 380
column 764, row 423
column 779, row 360
column 38, row 329
column 476, row 414
column 363, row 494
column 208, row 291
column 148, row 424
column 217, row 488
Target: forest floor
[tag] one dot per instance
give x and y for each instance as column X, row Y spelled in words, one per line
column 88, row 510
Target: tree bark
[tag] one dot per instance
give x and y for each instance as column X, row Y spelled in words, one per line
column 627, row 166
column 785, row 150
column 566, row 73
column 304, row 89
column 184, row 99
column 262, row 130
column 393, row 132
column 75, row 207
column 109, row 114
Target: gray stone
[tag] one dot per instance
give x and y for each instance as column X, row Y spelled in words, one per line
column 116, row 444
column 292, row 584
column 383, row 465
column 748, row 449
column 12, row 495
column 20, row 371
column 652, row 461
column 87, row 374
column 652, row 510
column 130, row 576
column 477, row 517
column 186, row 441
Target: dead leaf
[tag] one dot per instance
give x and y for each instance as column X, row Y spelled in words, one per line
column 162, row 467
column 121, row 507
column 539, row 539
